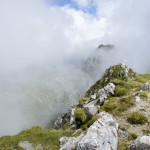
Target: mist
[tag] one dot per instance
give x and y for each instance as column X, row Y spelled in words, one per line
column 43, row 48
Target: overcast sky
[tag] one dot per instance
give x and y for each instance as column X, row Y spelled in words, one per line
column 32, row 31
column 41, row 33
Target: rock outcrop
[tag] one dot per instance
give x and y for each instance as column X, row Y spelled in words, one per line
column 91, row 108
column 28, row 146
column 145, row 87
column 93, row 65
column 69, row 143
column 102, row 135
column 62, row 120
column 141, row 143
column 120, row 71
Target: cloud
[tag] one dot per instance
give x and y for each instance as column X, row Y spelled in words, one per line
column 128, row 27
column 42, row 47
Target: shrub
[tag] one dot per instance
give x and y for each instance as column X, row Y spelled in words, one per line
column 132, row 136
column 137, row 118
column 146, row 131
column 80, row 115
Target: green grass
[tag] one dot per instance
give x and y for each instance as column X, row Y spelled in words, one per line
column 143, row 78
column 132, row 136
column 121, row 91
column 117, row 106
column 137, row 118
column 143, row 94
column 83, row 100
column 123, row 87
column 89, row 123
column 123, row 144
column 146, row 131
column 114, row 72
column 48, row 138
column 80, row 115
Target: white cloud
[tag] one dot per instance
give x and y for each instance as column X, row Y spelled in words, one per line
column 35, row 39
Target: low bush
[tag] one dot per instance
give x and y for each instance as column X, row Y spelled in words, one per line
column 137, row 118
column 80, row 115
column 132, row 136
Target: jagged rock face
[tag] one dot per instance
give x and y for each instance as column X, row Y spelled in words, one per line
column 61, row 121
column 141, row 143
column 102, row 135
column 145, row 87
column 105, row 92
column 94, row 63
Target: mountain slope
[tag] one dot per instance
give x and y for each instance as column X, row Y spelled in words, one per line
column 120, row 92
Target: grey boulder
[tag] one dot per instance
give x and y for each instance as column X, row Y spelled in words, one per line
column 101, row 135
column 141, row 143
column 145, row 87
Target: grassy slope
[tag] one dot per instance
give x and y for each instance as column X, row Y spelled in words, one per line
column 48, row 138
column 117, row 105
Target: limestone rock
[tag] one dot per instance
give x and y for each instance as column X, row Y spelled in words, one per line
column 26, row 145
column 141, row 143
column 102, row 135
column 109, row 88
column 69, row 143
column 93, row 97
column 105, row 92
column 145, row 87
column 61, row 121
column 91, row 110
column 71, row 112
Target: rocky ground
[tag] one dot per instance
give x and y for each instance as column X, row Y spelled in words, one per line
column 113, row 114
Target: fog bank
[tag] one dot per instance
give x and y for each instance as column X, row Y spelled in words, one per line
column 43, row 48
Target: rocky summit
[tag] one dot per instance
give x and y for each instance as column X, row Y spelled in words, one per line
column 114, row 114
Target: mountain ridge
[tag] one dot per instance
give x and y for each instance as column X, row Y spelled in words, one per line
column 121, row 97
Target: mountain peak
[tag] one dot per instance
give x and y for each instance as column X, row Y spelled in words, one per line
column 119, row 71
column 107, row 46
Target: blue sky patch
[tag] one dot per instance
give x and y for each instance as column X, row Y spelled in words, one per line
column 89, row 9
